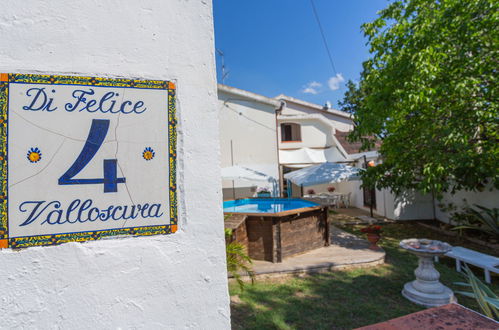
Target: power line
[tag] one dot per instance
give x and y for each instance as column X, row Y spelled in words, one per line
column 323, row 36
column 224, row 73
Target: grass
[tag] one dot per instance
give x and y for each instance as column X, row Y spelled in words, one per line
column 340, row 299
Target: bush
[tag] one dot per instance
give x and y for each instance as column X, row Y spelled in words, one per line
column 478, row 218
column 237, row 259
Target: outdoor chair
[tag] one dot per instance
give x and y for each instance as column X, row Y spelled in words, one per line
column 330, row 199
column 334, row 201
column 345, row 199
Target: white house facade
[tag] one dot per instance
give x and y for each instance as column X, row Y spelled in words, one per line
column 248, row 140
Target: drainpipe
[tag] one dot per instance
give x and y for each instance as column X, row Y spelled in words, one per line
column 232, row 164
column 279, row 168
column 371, row 190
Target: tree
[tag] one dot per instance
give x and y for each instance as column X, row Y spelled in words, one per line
column 429, row 92
column 351, row 100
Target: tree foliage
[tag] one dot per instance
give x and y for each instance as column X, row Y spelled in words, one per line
column 352, row 98
column 429, row 92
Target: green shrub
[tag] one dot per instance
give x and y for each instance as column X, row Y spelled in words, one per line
column 237, row 260
column 479, row 218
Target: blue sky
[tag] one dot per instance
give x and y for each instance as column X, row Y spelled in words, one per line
column 275, row 46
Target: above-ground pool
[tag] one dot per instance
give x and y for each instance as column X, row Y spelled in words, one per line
column 266, row 205
column 275, row 228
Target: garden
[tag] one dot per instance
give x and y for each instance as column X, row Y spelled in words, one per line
column 349, row 298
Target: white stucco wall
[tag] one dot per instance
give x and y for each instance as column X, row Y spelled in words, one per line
column 340, row 122
column 314, row 134
column 251, row 127
column 489, row 197
column 409, row 206
column 160, row 282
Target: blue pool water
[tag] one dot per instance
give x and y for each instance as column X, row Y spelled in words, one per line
column 266, row 205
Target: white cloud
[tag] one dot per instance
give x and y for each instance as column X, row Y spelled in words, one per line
column 312, row 88
column 335, row 82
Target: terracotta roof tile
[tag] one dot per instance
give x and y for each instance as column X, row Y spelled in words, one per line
column 351, row 147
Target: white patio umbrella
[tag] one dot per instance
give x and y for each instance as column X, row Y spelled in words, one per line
column 243, row 173
column 323, row 173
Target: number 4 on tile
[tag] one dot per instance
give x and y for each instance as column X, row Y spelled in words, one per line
column 98, row 132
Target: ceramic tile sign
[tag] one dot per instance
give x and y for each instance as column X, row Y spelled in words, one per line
column 84, row 158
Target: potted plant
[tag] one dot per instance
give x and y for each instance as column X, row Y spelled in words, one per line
column 311, row 192
column 373, row 233
column 331, row 189
column 263, row 192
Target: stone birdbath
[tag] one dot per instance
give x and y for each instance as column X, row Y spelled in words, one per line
column 427, row 290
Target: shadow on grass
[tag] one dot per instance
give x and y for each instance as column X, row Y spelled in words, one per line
column 340, row 299
column 341, row 238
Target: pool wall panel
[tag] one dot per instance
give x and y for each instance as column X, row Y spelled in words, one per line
column 302, row 234
column 260, row 238
column 275, row 238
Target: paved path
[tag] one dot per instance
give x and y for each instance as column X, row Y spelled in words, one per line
column 346, row 251
column 355, row 216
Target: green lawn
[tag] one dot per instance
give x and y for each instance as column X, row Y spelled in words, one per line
column 340, row 299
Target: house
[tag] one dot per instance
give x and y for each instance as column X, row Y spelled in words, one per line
column 311, row 134
column 277, row 135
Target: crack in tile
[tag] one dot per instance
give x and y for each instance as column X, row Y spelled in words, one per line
column 43, row 169
column 47, row 130
column 116, row 157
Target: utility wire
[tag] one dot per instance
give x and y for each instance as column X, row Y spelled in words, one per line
column 224, row 73
column 323, row 36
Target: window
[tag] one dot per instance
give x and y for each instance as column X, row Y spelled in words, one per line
column 290, row 132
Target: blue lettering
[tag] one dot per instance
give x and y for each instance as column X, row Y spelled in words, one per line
column 105, row 216
column 58, row 217
column 137, row 106
column 114, row 213
column 33, row 215
column 156, row 214
column 73, row 206
column 86, row 205
column 142, row 211
column 79, row 99
column 97, row 211
column 105, row 98
column 105, row 104
column 51, row 213
column 40, row 99
column 132, row 211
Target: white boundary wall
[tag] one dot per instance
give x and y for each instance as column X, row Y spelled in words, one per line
column 489, row 198
column 411, row 206
column 161, row 282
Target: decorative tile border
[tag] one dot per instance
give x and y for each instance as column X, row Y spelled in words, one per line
column 22, row 242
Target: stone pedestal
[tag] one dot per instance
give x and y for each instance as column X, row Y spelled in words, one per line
column 427, row 290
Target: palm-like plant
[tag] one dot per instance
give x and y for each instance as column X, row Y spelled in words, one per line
column 486, row 299
column 482, row 219
column 237, row 260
